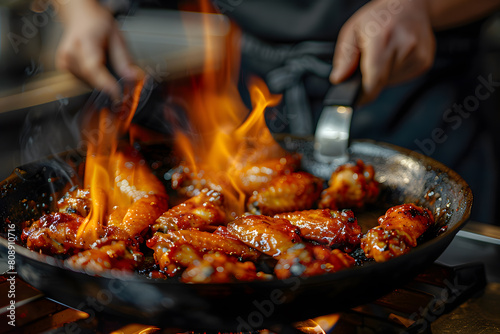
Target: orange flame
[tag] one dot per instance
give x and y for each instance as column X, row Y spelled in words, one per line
column 227, row 135
column 106, row 166
column 319, row 325
column 225, row 138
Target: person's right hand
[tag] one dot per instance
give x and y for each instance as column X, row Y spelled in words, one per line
column 391, row 42
column 92, row 39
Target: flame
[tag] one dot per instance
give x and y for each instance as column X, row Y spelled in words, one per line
column 225, row 136
column 319, row 325
column 327, row 322
column 107, row 169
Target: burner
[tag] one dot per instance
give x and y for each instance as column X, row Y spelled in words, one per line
column 409, row 309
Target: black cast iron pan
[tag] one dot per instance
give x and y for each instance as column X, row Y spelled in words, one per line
column 405, row 177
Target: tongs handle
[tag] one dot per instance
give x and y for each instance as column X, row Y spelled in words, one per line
column 333, row 128
column 345, row 93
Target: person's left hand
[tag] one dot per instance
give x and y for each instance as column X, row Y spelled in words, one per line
column 92, row 39
column 390, row 41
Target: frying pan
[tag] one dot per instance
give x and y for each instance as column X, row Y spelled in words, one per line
column 405, row 176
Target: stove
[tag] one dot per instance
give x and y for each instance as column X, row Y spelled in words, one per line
column 459, row 293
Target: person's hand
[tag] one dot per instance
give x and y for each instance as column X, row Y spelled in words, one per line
column 92, row 39
column 390, row 41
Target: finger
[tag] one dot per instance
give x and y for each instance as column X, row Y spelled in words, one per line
column 346, row 56
column 103, row 80
column 120, row 58
column 376, row 65
column 92, row 69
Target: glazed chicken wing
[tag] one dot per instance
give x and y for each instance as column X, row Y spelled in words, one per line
column 203, row 211
column 305, row 260
column 133, row 178
column 271, row 236
column 123, row 205
column 350, row 187
column 190, row 182
column 57, row 233
column 138, row 218
column 165, row 246
column 292, row 192
column 193, row 266
column 248, row 178
column 77, row 201
column 254, row 176
column 117, row 255
column 397, row 232
column 278, row 238
column 220, row 268
column 54, row 233
column 336, row 229
column 92, row 217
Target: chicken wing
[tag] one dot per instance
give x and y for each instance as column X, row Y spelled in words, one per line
column 271, row 236
column 146, row 195
column 220, row 268
column 165, row 246
column 248, row 178
column 350, row 187
column 203, row 211
column 133, row 186
column 336, row 229
column 117, row 256
column 189, row 182
column 278, row 238
column 54, row 233
column 254, row 176
column 137, row 219
column 293, row 192
column 57, row 232
column 77, row 201
column 305, row 260
column 133, row 178
column 397, row 232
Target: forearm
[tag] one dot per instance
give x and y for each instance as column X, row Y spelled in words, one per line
column 451, row 13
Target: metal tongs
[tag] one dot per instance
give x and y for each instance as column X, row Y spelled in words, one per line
column 331, row 138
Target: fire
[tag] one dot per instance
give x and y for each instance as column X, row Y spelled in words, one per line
column 319, row 325
column 226, row 136
column 107, row 170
